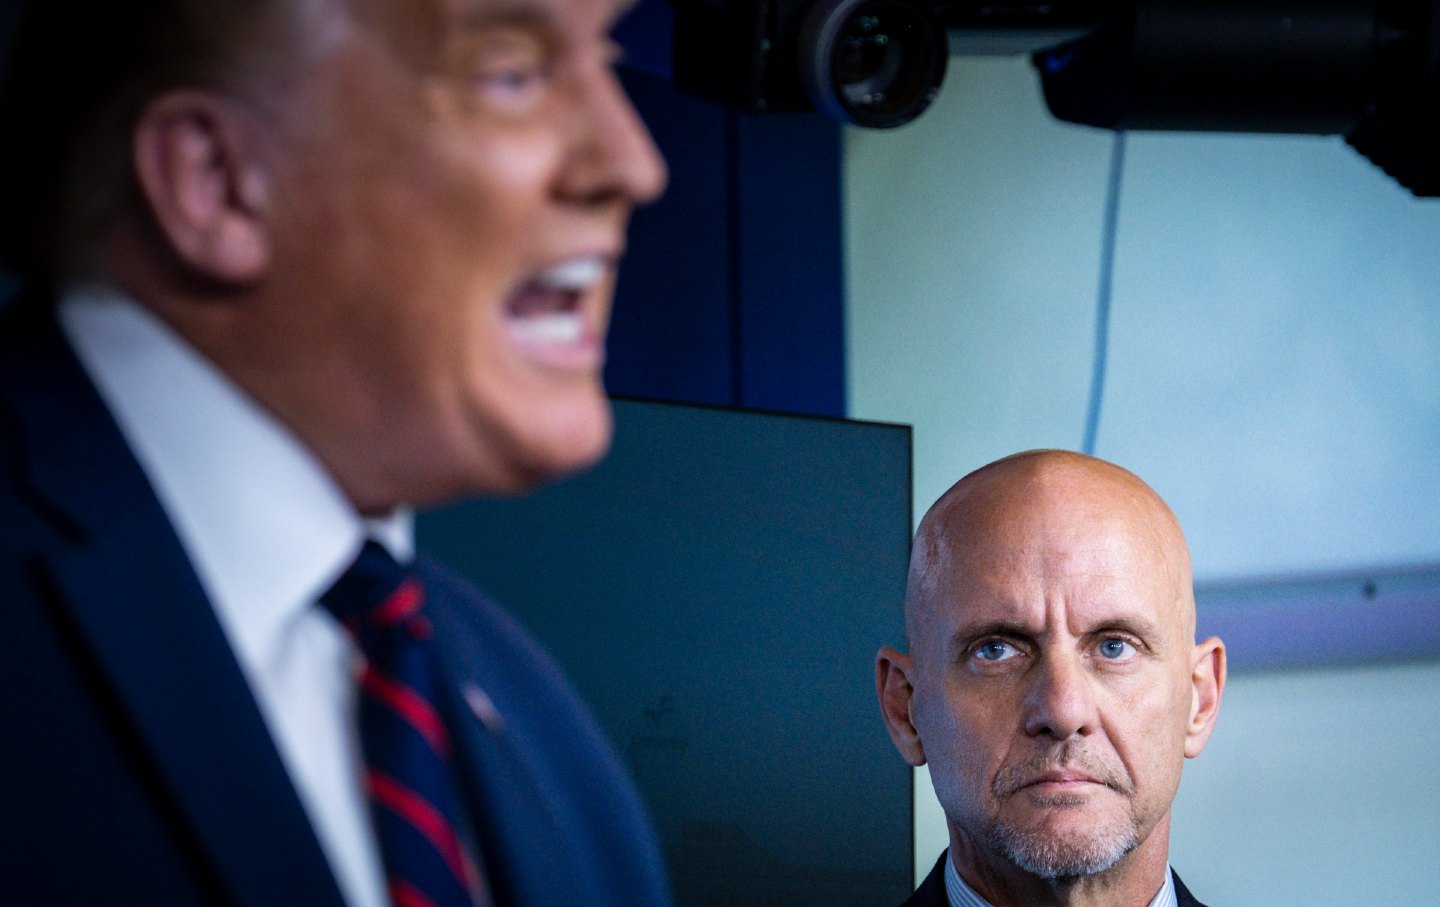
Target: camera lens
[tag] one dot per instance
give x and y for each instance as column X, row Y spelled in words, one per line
column 874, row 63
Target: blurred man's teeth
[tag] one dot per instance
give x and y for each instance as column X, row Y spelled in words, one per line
column 552, row 327
column 574, row 275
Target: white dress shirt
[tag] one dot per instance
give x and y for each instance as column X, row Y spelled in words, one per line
column 962, row 895
column 267, row 531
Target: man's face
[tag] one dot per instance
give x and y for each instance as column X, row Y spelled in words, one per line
column 454, row 182
column 1052, row 677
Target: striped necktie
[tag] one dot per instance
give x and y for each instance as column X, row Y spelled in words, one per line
column 413, row 799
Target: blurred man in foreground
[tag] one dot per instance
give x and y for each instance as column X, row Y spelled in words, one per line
column 294, row 267
column 1053, row 684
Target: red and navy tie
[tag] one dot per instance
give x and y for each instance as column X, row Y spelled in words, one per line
column 413, row 799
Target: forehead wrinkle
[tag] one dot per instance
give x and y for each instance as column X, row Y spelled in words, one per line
column 1148, row 539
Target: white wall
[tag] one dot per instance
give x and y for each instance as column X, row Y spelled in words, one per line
column 1274, row 373
column 1317, row 788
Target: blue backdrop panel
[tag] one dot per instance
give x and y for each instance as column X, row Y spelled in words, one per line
column 717, row 589
column 670, row 337
column 791, row 285
column 732, row 290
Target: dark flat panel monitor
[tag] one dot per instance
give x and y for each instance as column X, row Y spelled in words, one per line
column 717, row 589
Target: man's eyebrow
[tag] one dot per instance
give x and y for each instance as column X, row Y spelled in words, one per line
column 967, row 633
column 1147, row 630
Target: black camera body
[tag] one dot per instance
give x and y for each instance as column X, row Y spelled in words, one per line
column 873, row 63
column 1364, row 69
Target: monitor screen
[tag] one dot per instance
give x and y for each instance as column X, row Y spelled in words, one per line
column 717, row 589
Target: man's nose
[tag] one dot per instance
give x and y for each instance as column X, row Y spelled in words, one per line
column 613, row 157
column 1060, row 702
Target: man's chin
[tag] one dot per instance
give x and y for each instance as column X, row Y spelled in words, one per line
column 1069, row 846
column 568, row 441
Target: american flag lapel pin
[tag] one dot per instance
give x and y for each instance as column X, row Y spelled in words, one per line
column 483, row 707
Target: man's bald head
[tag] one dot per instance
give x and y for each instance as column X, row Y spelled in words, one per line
column 1008, row 501
column 1053, row 683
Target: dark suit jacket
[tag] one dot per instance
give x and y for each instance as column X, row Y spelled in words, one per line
column 931, row 892
column 135, row 767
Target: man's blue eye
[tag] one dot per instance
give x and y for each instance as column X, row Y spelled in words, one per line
column 994, row 650
column 1116, row 648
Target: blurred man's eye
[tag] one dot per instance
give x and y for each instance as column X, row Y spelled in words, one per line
column 511, row 73
column 516, row 85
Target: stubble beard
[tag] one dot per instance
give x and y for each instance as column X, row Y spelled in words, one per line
column 1060, row 856
column 1054, row 858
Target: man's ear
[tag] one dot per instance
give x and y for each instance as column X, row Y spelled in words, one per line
column 198, row 159
column 893, row 671
column 1207, row 679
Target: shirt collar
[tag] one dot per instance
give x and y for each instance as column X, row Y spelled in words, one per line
column 264, row 525
column 961, row 894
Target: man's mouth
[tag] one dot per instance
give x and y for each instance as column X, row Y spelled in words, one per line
column 1070, row 775
column 547, row 316
column 1061, row 779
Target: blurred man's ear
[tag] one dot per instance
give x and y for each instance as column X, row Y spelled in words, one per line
column 893, row 671
column 198, row 159
column 1207, row 678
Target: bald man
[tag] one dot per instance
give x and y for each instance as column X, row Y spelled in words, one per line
column 1053, row 684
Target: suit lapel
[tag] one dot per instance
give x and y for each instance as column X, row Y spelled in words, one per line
column 131, row 593
column 931, row 892
column 521, row 836
column 1183, row 897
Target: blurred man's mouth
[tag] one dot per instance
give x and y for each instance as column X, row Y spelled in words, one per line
column 551, row 317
